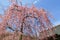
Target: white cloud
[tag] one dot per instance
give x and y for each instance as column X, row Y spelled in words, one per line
column 57, row 23
column 35, row 1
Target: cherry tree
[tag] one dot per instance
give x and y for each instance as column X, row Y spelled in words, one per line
column 28, row 21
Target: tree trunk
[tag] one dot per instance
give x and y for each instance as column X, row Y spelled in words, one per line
column 21, row 36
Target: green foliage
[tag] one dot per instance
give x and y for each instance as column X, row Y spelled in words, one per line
column 57, row 31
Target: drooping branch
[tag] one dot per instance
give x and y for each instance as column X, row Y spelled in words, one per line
column 28, row 21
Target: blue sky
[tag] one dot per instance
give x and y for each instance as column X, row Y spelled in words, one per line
column 53, row 6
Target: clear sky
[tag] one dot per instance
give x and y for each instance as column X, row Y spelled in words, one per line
column 53, row 6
